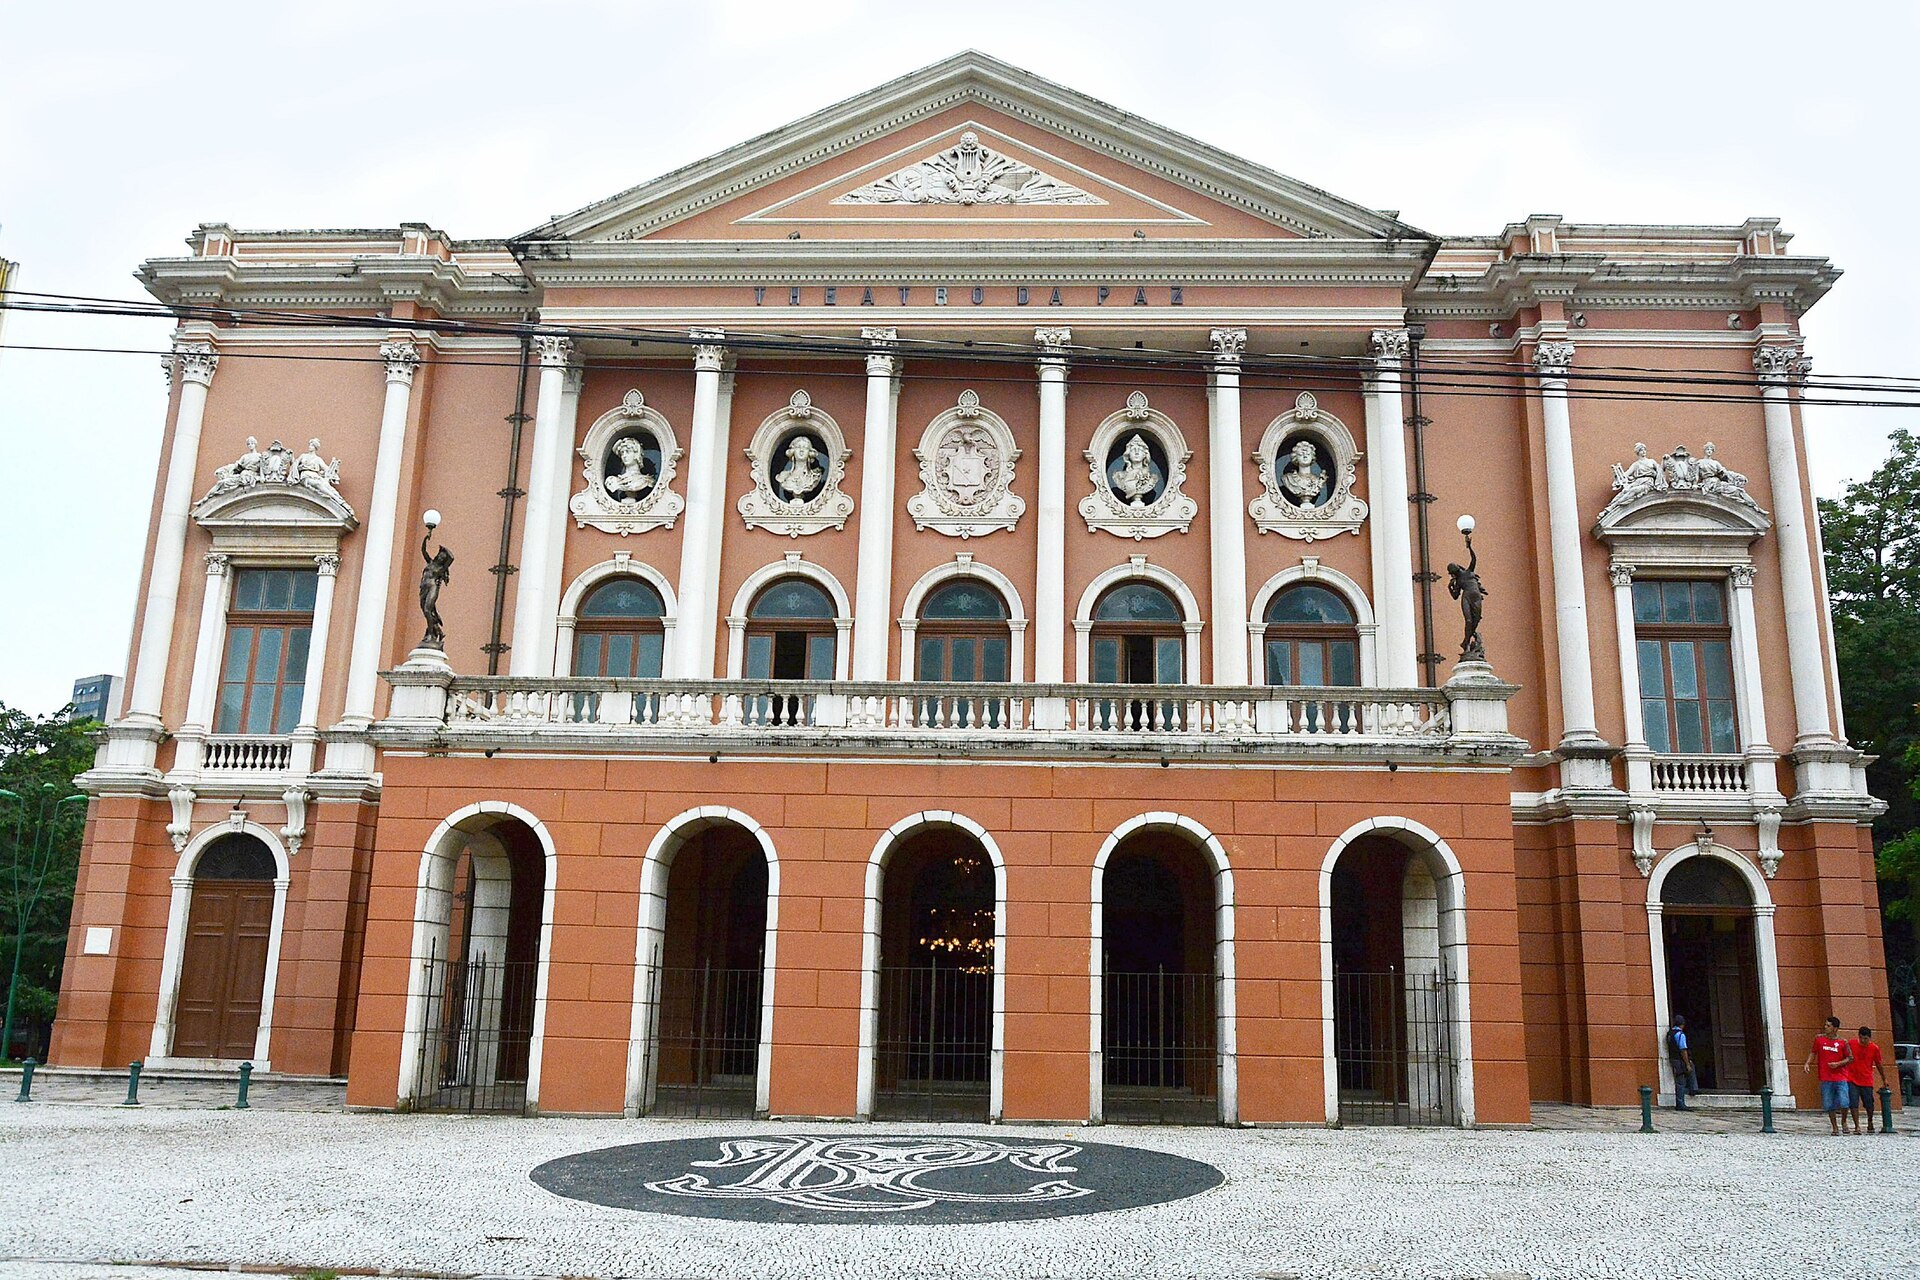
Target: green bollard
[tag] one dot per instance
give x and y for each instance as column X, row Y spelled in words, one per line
column 133, row 1085
column 1646, row 1108
column 246, row 1078
column 26, row 1080
column 1886, row 1109
column 1766, row 1110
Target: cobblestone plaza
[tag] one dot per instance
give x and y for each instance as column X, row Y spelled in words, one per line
column 452, row 1196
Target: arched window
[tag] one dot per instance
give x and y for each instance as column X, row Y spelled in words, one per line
column 1138, row 636
column 963, row 634
column 790, row 632
column 1705, row 882
column 1311, row 638
column 619, row 630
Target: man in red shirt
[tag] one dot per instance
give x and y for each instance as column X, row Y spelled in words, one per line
column 1866, row 1060
column 1836, row 1091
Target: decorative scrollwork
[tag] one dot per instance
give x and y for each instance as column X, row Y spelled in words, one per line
column 1138, row 463
column 966, row 461
column 630, row 458
column 1308, row 464
column 798, row 458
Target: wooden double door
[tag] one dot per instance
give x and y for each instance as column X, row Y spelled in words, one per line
column 223, row 969
column 1713, row 981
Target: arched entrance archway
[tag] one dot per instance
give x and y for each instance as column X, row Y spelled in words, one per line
column 481, row 927
column 935, row 963
column 703, row 1000
column 1161, row 905
column 1394, row 979
column 227, row 939
column 1711, row 925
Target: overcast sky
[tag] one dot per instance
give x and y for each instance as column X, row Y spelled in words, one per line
column 122, row 126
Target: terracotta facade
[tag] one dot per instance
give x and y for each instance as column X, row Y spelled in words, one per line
column 488, row 803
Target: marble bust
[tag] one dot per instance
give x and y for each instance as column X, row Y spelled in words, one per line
column 633, row 480
column 802, row 474
column 1303, row 478
column 1136, row 478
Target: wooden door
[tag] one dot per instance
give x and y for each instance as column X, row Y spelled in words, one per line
column 223, row 969
column 1734, row 993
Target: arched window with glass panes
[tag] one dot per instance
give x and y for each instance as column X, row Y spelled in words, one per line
column 1138, row 636
column 964, row 634
column 619, row 630
column 1312, row 638
column 1683, row 646
column 791, row 633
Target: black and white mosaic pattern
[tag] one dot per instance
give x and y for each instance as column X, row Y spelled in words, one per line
column 931, row 1179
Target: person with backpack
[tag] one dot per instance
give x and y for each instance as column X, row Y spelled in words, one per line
column 1680, row 1058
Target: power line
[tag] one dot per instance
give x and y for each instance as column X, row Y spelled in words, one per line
column 1499, row 383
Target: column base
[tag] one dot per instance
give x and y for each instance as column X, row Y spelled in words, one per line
column 1586, row 764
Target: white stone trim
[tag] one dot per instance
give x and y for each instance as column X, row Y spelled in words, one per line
column 1226, row 1015
column 935, row 507
column 174, row 950
column 655, row 872
column 870, row 954
column 794, row 566
column 1103, row 509
column 1311, row 570
column 1766, row 962
column 1136, row 567
column 963, row 566
column 829, row 508
column 621, row 566
column 1450, row 886
column 431, row 921
column 1273, row 511
column 660, row 505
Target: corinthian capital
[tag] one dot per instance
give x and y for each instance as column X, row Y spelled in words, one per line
column 556, row 350
column 1388, row 346
column 1053, row 344
column 1553, row 359
column 709, row 353
column 1228, row 345
column 403, row 357
column 1781, row 364
column 880, row 359
column 196, row 362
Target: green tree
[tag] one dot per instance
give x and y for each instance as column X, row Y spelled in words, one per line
column 39, row 857
column 1872, row 536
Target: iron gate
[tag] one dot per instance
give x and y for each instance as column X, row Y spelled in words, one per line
column 1393, row 1041
column 1158, row 1047
column 477, row 1035
column 930, row 1061
column 706, row 1041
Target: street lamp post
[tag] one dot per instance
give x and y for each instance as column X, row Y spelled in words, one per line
column 31, row 864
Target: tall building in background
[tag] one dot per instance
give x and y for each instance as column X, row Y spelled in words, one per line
column 96, row 698
column 954, row 613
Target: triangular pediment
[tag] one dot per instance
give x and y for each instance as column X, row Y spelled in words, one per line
column 1042, row 160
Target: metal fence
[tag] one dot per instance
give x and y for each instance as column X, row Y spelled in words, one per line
column 1393, row 1039
column 707, row 1041
column 478, row 1035
column 1159, row 1048
column 931, row 1059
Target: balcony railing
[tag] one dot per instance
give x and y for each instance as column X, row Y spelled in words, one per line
column 440, row 709
column 1696, row 775
column 234, row 754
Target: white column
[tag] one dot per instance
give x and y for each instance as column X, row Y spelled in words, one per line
column 1750, row 685
column 327, row 568
column 196, row 363
column 873, row 587
column 1227, row 520
column 206, row 664
column 1639, row 767
column 1392, row 541
column 376, row 549
column 1050, row 555
column 1778, row 366
column 536, row 600
column 1551, row 361
column 699, row 584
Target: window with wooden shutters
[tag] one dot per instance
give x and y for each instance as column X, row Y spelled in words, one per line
column 619, row 631
column 263, row 670
column 1684, row 648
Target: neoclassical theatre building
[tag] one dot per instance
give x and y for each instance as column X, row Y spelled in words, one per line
column 955, row 611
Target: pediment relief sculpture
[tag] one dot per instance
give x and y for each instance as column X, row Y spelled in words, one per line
column 798, row 460
column 1137, row 461
column 968, row 174
column 1678, row 474
column 629, row 460
column 966, row 461
column 1308, row 463
column 258, row 484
